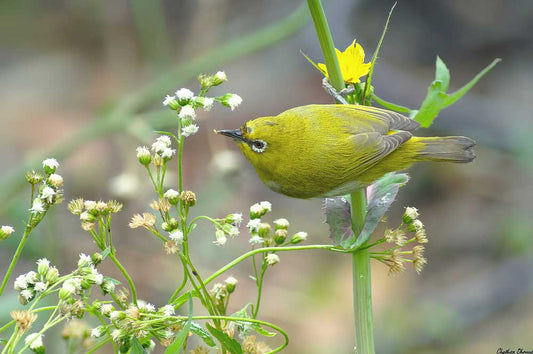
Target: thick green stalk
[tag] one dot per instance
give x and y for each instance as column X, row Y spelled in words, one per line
column 361, row 262
column 326, row 43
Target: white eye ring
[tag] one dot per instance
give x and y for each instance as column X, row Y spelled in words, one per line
column 258, row 145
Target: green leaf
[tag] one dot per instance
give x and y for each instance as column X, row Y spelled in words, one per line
column 106, row 253
column 368, row 82
column 380, row 196
column 313, row 63
column 184, row 297
column 136, row 347
column 390, row 105
column 338, row 218
column 442, row 73
column 260, row 330
column 229, row 344
column 202, row 333
column 178, row 343
column 437, row 98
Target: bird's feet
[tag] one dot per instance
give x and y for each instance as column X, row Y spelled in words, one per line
column 337, row 95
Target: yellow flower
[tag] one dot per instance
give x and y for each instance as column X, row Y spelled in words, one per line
column 351, row 62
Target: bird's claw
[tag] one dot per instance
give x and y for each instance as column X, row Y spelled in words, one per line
column 338, row 95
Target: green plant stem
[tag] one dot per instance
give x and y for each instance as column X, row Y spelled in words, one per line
column 326, row 43
column 16, row 256
column 126, row 275
column 269, row 249
column 362, row 286
column 361, row 280
column 259, row 289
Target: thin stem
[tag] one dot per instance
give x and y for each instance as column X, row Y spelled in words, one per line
column 16, row 256
column 126, row 275
column 269, row 249
column 180, row 288
column 259, row 289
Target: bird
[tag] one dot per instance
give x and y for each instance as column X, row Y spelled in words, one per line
column 329, row 150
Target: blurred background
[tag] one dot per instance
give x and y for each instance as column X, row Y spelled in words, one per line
column 83, row 81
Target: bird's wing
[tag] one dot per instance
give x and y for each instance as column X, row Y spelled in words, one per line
column 374, row 147
column 376, row 119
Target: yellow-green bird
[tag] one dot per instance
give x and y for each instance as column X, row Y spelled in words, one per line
column 332, row 150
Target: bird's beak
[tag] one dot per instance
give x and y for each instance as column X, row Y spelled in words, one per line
column 232, row 133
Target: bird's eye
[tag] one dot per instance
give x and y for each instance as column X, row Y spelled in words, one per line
column 258, row 145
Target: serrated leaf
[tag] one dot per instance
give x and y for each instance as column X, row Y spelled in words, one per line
column 136, row 347
column 437, row 98
column 380, row 196
column 202, row 333
column 229, row 344
column 338, row 218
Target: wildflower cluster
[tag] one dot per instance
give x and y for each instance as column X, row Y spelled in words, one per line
column 229, row 226
column 48, row 193
column 142, row 321
column 185, row 102
column 170, row 224
column 221, row 293
column 263, row 235
column 410, row 230
column 31, row 284
column 91, row 212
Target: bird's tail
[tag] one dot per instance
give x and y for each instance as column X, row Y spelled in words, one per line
column 449, row 148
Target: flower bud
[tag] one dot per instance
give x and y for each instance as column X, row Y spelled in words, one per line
column 272, row 259
column 170, row 102
column 176, row 236
column 34, row 177
column 298, row 237
column 206, row 81
column 43, row 265
column 65, row 294
column 263, row 230
column 279, row 236
column 55, row 180
column 409, row 215
column 50, row 165
column 5, row 231
column 108, row 286
column 143, row 155
column 173, row 196
column 187, row 112
column 231, row 283
column 96, row 258
column 184, row 96
column 281, row 224
column 235, row 218
column 52, row 275
column 188, row 198
column 219, row 78
column 220, row 237
column 230, row 100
